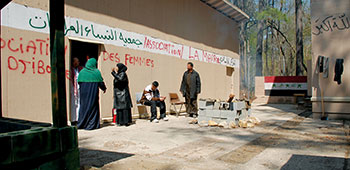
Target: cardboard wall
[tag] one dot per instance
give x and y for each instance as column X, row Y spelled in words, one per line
column 27, row 93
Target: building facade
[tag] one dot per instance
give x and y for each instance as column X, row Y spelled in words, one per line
column 155, row 39
column 331, row 58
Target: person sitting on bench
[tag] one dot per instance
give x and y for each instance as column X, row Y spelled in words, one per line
column 151, row 97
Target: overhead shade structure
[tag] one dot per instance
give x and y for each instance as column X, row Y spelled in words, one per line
column 3, row 3
column 228, row 9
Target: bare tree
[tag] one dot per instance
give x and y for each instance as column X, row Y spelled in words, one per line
column 272, row 51
column 266, row 72
column 259, row 44
column 299, row 38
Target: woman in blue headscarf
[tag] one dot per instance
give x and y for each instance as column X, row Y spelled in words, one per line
column 122, row 99
column 90, row 80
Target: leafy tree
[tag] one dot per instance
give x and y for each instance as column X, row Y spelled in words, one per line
column 277, row 48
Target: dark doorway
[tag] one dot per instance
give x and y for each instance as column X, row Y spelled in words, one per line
column 83, row 51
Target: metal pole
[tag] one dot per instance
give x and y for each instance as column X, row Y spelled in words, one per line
column 57, row 57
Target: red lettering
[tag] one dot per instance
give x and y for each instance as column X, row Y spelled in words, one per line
column 48, row 69
column 148, row 62
column 217, row 60
column 33, row 65
column 132, row 60
column 127, row 56
column 47, row 47
column 154, row 44
column 182, row 51
column 9, row 63
column 41, row 45
column 111, row 57
column 190, row 56
column 24, row 65
column 145, row 42
column 149, row 44
column 21, row 45
column 165, row 47
column 210, row 58
column 206, row 56
column 31, row 45
column 105, row 53
column 142, row 61
column 161, row 44
column 137, row 60
column 3, row 43
column 9, row 45
column 128, row 59
column 117, row 59
column 41, row 69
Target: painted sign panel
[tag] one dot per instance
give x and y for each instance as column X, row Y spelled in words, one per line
column 32, row 19
column 331, row 23
column 285, row 85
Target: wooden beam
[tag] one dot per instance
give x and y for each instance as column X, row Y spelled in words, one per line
column 58, row 70
column 227, row 10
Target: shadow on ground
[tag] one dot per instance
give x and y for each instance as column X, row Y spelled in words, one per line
column 99, row 158
column 290, row 108
column 316, row 162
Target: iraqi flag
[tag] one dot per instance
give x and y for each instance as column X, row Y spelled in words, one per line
column 285, row 85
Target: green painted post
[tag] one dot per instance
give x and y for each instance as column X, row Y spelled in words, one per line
column 0, row 72
column 58, row 70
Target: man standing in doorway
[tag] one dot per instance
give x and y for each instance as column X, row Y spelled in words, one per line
column 75, row 96
column 190, row 88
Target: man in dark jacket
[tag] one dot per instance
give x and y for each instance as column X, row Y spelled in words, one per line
column 190, row 88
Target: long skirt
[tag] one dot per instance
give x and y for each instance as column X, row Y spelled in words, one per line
column 124, row 117
column 89, row 111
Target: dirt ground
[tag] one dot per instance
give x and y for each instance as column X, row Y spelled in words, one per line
column 284, row 140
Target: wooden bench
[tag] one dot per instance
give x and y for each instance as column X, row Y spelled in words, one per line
column 174, row 101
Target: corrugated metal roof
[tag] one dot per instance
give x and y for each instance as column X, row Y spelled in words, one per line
column 228, row 9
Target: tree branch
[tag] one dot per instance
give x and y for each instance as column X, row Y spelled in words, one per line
column 281, row 33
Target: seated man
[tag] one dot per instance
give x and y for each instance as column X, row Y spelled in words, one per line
column 151, row 97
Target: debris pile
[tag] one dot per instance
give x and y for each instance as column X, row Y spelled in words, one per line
column 226, row 114
column 250, row 122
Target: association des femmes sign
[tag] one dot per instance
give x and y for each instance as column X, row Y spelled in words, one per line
column 32, row 19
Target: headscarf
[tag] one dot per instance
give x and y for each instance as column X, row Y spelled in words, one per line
column 90, row 73
column 121, row 67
